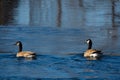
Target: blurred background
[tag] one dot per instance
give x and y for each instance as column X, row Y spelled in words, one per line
column 60, row 13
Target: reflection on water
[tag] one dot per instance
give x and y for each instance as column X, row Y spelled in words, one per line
column 66, row 13
column 7, row 11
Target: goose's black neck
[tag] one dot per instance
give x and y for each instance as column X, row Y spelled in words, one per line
column 90, row 45
column 20, row 47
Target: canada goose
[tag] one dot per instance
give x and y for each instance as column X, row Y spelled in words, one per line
column 26, row 54
column 92, row 52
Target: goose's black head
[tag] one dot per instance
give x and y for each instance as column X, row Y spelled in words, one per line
column 18, row 43
column 89, row 42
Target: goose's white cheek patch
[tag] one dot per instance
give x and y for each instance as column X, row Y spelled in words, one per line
column 17, row 44
column 88, row 41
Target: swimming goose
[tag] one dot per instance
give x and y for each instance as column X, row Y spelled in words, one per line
column 26, row 54
column 92, row 52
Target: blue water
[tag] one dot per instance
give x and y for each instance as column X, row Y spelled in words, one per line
column 59, row 53
column 56, row 30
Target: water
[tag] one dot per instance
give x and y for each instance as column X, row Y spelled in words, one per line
column 59, row 54
column 56, row 30
column 74, row 66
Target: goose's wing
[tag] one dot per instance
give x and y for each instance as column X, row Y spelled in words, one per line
column 97, row 51
column 91, row 51
column 28, row 54
column 88, row 52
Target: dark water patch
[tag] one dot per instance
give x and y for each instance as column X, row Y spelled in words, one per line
column 51, row 66
column 27, row 78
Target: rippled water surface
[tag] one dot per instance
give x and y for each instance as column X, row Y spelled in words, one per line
column 59, row 53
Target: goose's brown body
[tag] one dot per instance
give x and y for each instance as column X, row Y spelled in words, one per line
column 92, row 52
column 26, row 54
